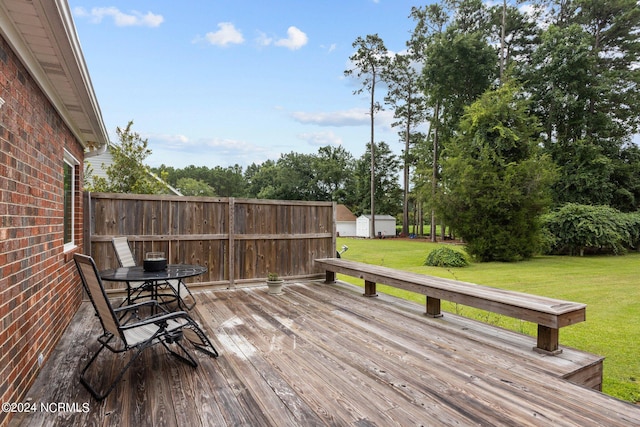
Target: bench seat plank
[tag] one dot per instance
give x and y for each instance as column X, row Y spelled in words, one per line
column 550, row 314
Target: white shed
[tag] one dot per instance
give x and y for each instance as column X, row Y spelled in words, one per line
column 345, row 222
column 385, row 225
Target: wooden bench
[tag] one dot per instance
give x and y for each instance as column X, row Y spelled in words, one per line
column 549, row 314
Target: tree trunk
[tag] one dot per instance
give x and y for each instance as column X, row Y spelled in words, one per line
column 372, row 224
column 502, row 39
column 420, row 220
column 434, row 177
column 405, row 211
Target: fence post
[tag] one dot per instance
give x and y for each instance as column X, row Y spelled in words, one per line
column 231, row 241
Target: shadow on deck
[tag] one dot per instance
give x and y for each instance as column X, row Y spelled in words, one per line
column 323, row 355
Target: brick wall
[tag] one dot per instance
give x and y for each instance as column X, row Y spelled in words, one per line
column 39, row 287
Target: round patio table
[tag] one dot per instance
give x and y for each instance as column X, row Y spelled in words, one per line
column 151, row 279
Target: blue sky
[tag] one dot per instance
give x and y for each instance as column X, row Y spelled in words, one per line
column 224, row 82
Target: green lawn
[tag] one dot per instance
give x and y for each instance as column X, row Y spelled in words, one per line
column 609, row 285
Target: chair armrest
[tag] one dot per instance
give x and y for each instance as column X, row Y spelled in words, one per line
column 158, row 319
column 138, row 305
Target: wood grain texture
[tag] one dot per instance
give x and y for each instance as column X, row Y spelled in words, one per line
column 550, row 314
column 236, row 239
column 321, row 355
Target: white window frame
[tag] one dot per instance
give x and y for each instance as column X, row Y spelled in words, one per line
column 70, row 160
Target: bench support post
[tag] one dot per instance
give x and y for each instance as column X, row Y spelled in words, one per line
column 369, row 289
column 330, row 277
column 548, row 340
column 433, row 307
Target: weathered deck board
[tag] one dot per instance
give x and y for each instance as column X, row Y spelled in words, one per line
column 569, row 364
column 323, row 355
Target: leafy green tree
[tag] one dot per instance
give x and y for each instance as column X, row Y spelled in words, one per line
column 334, row 170
column 260, row 179
column 229, row 181
column 128, row 173
column 225, row 181
column 407, row 100
column 458, row 64
column 585, row 174
column 369, row 61
column 423, row 179
column 194, row 187
column 584, row 80
column 563, row 83
column 296, row 177
column 459, row 67
column 173, row 175
column 516, row 31
column 626, row 179
column 292, row 177
column 496, row 179
column 388, row 194
column 430, row 24
column 471, row 16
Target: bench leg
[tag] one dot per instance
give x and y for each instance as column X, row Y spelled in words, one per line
column 433, row 307
column 369, row 289
column 330, row 277
column 548, row 341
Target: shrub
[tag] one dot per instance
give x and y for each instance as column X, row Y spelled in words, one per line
column 579, row 228
column 630, row 223
column 446, row 257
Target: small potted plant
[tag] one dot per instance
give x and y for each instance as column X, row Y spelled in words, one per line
column 275, row 283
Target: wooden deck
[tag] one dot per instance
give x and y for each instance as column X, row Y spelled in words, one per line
column 324, row 355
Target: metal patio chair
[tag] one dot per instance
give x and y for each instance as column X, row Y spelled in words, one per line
column 125, row 258
column 127, row 329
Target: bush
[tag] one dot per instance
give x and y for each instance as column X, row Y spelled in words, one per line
column 446, row 257
column 579, row 228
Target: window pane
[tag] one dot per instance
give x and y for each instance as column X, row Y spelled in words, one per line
column 68, row 203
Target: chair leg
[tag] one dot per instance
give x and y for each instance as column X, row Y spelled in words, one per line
column 84, row 382
column 189, row 360
column 193, row 299
column 182, row 303
column 199, row 339
column 100, row 396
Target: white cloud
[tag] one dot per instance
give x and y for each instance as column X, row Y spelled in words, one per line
column 295, row 39
column 329, row 48
column 226, row 34
column 263, row 39
column 173, row 141
column 225, row 145
column 180, row 151
column 321, row 139
column 353, row 117
column 121, row 19
column 179, row 141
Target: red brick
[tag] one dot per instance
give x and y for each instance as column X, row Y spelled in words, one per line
column 34, row 274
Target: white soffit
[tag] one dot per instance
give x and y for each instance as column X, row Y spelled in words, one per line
column 43, row 35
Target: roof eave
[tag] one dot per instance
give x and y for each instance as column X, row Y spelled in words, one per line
column 57, row 64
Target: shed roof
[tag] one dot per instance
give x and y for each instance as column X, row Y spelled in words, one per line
column 380, row 217
column 344, row 214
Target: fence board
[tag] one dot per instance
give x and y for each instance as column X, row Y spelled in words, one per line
column 238, row 240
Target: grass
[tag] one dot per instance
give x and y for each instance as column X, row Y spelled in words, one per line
column 609, row 285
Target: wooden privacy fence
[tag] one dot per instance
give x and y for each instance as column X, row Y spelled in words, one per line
column 238, row 240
